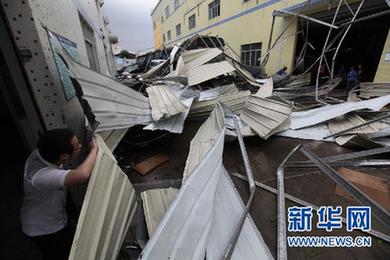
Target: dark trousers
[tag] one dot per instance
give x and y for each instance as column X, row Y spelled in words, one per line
column 55, row 246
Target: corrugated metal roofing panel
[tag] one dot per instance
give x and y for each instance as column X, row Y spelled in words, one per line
column 265, row 115
column 235, row 102
column 108, row 98
column 266, row 89
column 195, row 58
column 109, row 203
column 201, row 219
column 164, row 103
column 345, row 122
column 369, row 89
column 204, row 139
column 318, row 115
column 182, row 233
column 113, row 137
column 218, row 91
column 208, row 71
column 173, row 124
column 155, row 203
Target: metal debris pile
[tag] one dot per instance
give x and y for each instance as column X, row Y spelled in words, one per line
column 199, row 80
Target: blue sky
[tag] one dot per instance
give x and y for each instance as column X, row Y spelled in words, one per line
column 130, row 20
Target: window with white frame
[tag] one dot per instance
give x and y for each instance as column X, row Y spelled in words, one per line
column 214, row 9
column 250, row 54
column 167, row 12
column 191, row 22
column 178, row 29
column 90, row 44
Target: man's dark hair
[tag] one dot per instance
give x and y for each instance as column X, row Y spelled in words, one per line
column 55, row 142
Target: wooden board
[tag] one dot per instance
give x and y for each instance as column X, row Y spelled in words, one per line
column 375, row 187
column 151, row 163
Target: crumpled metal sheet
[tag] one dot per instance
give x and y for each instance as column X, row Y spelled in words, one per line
column 217, row 91
column 113, row 105
column 345, row 122
column 113, row 137
column 208, row 71
column 164, row 102
column 266, row 89
column 265, row 115
column 317, row 133
column 173, row 124
column 108, row 208
column 314, row 116
column 200, row 221
column 155, row 203
column 369, row 89
column 198, row 57
column 204, row 139
column 235, row 102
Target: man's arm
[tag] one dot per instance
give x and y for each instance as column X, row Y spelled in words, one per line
column 82, row 173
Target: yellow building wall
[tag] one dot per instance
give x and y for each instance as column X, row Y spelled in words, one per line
column 158, row 34
column 383, row 71
column 244, row 29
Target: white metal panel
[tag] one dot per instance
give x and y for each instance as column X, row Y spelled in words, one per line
column 114, row 105
column 265, row 115
column 208, row 71
column 164, row 102
column 195, row 58
column 235, row 102
column 369, row 89
column 204, row 139
column 318, row 115
column 173, row 124
column 182, row 232
column 217, row 91
column 109, row 202
column 345, row 122
column 155, row 203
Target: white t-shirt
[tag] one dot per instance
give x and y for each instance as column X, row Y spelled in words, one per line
column 43, row 211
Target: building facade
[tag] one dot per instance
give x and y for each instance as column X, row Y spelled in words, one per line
column 246, row 25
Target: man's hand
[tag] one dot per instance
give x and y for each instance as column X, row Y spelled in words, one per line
column 93, row 145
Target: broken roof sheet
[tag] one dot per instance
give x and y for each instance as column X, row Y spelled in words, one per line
column 217, row 91
column 113, row 137
column 182, row 233
column 173, row 124
column 155, row 203
column 314, row 116
column 345, row 122
column 235, row 102
column 114, row 105
column 164, row 102
column 208, row 71
column 265, row 115
column 317, row 132
column 369, row 89
column 108, row 207
column 195, row 58
column 204, row 139
column 200, row 221
column 266, row 89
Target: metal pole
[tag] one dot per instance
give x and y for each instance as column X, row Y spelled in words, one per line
column 282, row 233
column 325, row 46
column 310, row 19
column 252, row 188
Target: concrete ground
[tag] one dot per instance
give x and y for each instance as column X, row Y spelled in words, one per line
column 265, row 157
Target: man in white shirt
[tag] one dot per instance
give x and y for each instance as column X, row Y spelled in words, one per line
column 43, row 214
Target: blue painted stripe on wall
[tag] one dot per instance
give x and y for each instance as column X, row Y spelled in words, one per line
column 248, row 11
